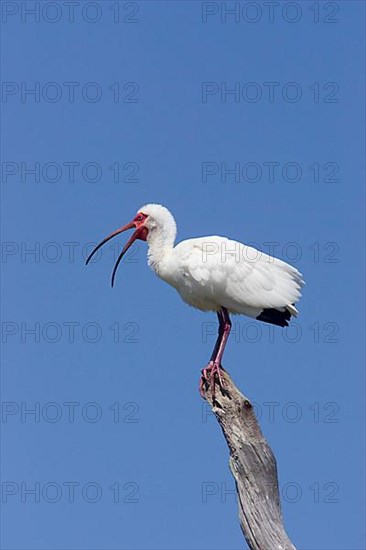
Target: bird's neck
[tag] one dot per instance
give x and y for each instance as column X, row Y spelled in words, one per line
column 160, row 244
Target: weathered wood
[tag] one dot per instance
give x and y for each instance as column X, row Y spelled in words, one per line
column 253, row 466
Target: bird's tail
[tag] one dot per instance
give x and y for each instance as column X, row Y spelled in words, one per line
column 292, row 309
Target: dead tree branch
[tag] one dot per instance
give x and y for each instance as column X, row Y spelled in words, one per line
column 253, row 466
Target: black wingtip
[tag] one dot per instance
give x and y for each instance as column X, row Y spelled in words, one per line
column 275, row 317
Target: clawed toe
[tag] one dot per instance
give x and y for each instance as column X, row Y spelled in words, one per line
column 208, row 378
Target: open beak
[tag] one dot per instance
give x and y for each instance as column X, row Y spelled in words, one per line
column 140, row 233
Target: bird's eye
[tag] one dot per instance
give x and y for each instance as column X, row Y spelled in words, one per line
column 139, row 218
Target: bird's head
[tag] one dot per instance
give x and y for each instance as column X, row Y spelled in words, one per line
column 151, row 220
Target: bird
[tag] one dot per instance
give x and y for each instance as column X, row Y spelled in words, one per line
column 214, row 274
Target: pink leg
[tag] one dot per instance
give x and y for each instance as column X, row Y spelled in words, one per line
column 214, row 366
column 205, row 372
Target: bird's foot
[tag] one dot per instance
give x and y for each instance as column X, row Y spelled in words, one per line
column 208, row 378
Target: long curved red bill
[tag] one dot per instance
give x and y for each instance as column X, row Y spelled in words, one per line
column 114, row 234
column 140, row 233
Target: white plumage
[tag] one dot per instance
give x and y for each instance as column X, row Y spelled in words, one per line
column 215, row 274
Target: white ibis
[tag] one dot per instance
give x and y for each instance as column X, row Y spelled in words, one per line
column 215, row 274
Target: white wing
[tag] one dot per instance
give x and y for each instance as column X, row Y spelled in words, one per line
column 233, row 275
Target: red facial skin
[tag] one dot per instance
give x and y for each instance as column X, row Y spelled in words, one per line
column 139, row 221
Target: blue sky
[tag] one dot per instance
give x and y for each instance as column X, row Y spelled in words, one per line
column 135, row 107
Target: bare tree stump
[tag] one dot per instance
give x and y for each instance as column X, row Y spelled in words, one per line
column 253, row 466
